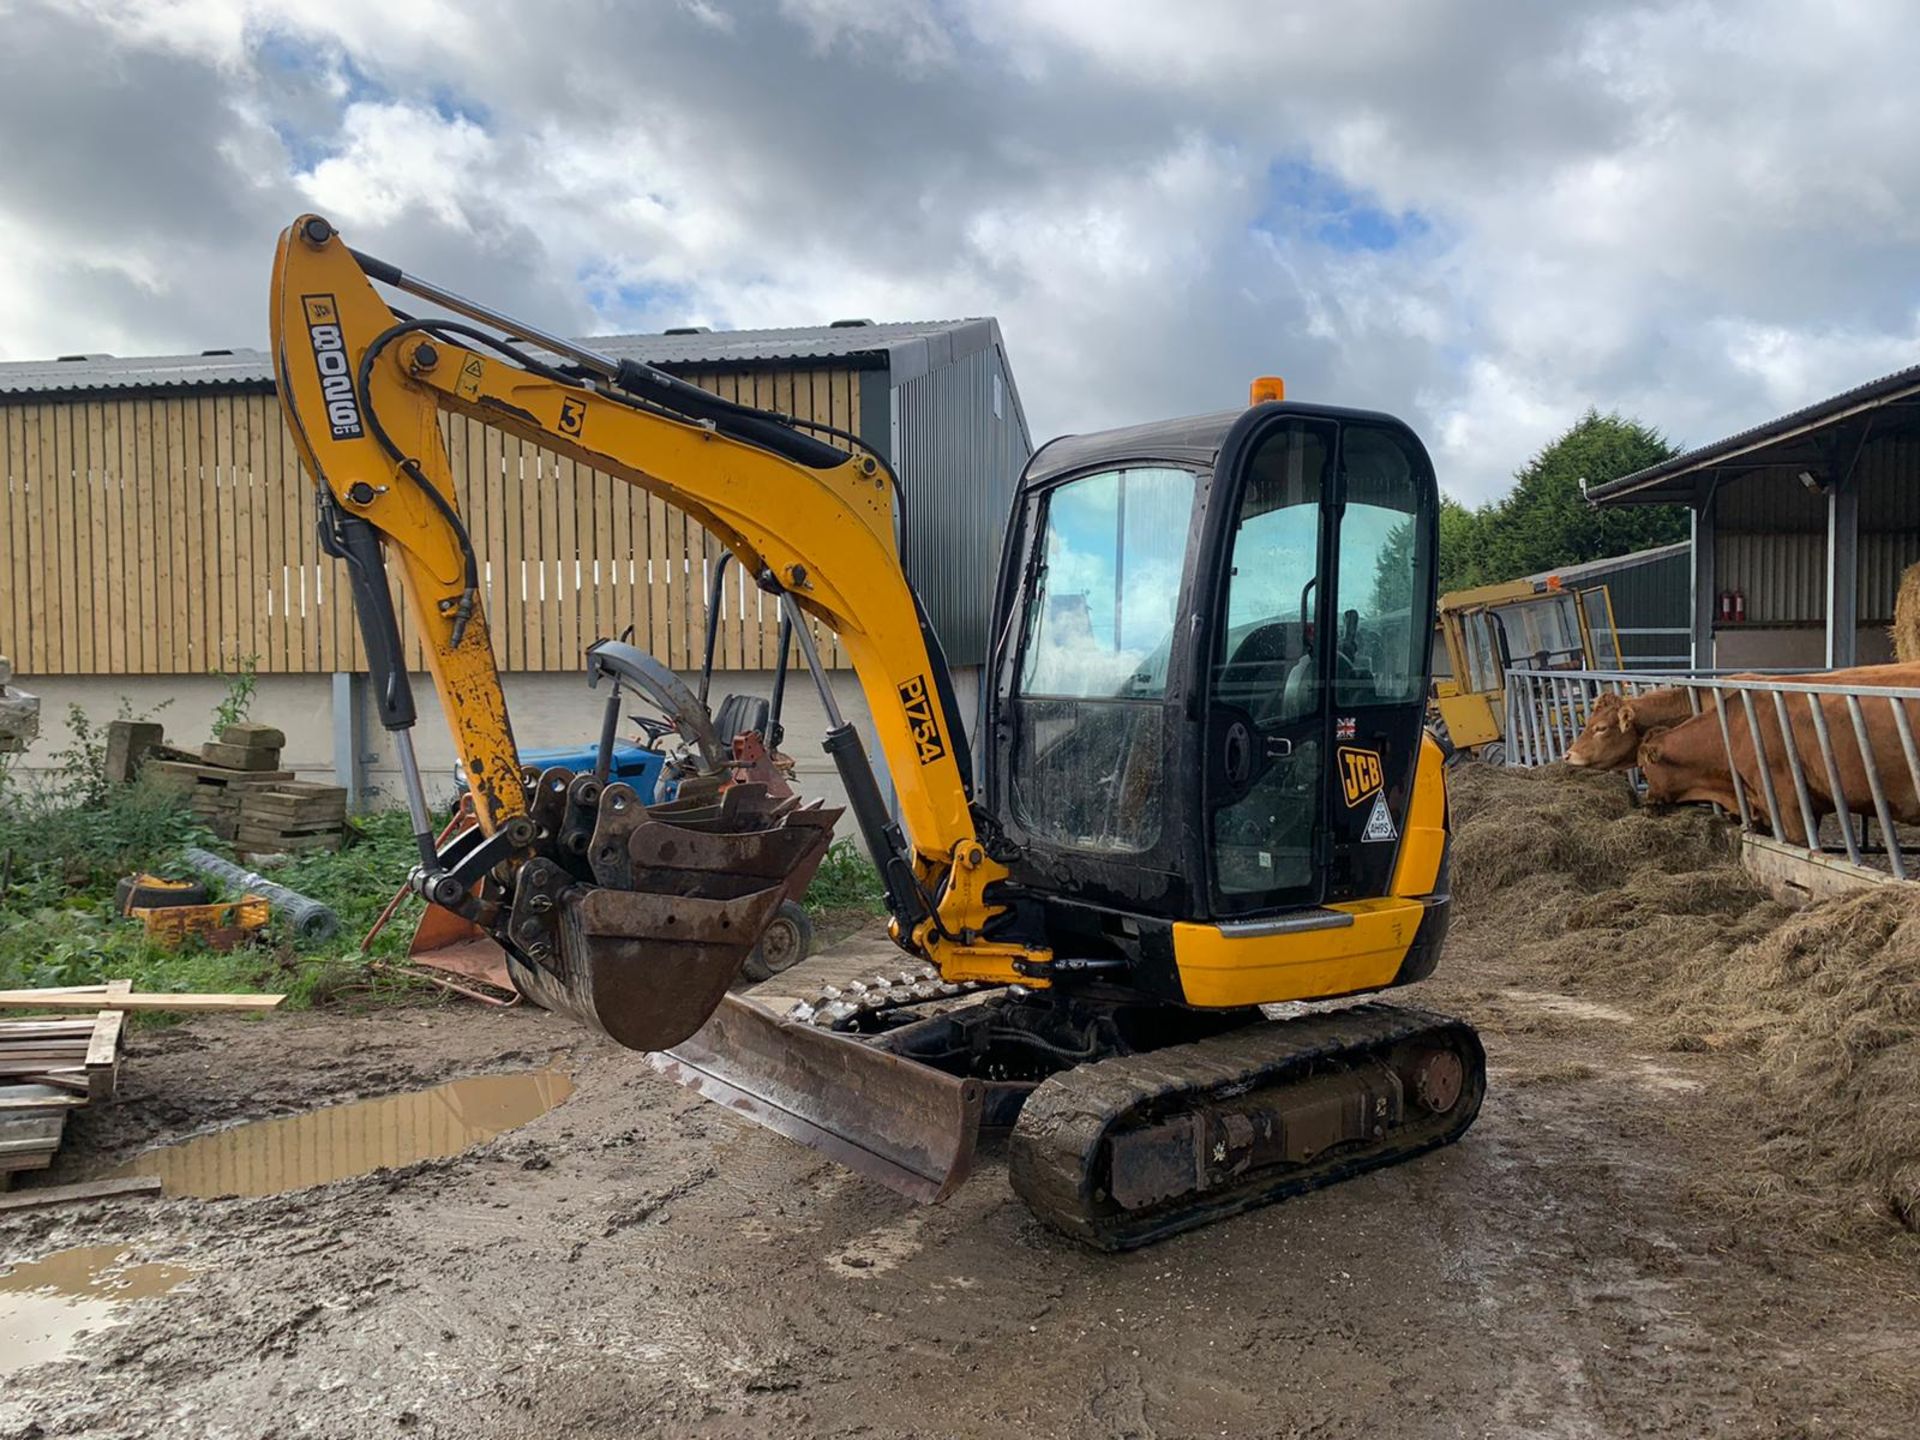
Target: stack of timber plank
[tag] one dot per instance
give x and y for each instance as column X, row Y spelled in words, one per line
column 211, row 787
column 283, row 816
column 240, row 793
column 52, row 1065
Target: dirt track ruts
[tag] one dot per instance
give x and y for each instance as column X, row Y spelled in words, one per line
column 637, row 1262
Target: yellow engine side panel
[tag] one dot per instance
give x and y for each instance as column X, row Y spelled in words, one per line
column 1221, row 969
column 1471, row 719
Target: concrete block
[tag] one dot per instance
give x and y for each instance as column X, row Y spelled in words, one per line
column 128, row 743
column 254, row 737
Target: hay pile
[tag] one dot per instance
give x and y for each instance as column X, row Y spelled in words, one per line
column 1562, row 874
column 1904, row 633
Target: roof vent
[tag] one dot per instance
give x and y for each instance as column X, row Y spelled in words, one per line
column 66, row 359
column 688, row 330
column 216, row 352
column 848, row 324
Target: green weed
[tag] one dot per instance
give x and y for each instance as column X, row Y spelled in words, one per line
column 237, row 703
column 73, row 836
column 846, row 881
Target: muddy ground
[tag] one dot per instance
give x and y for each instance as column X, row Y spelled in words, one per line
column 636, row 1262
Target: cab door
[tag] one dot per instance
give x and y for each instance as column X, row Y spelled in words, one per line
column 1321, row 531
column 1268, row 668
column 1386, row 521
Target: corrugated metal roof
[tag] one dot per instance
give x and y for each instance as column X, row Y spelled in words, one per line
column 1655, row 483
column 141, row 372
column 1591, row 569
column 955, row 339
column 910, row 347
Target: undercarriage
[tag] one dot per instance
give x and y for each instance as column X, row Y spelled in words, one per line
column 1125, row 1123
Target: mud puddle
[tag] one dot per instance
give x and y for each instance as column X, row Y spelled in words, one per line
column 267, row 1157
column 46, row 1306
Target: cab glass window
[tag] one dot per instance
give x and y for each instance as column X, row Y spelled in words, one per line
column 1382, row 616
column 1100, row 621
column 1090, row 747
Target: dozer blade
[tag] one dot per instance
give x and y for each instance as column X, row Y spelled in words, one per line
column 905, row 1124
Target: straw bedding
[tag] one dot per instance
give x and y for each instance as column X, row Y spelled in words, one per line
column 1561, row 873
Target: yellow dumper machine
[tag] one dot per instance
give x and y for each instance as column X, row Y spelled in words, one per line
column 1536, row 624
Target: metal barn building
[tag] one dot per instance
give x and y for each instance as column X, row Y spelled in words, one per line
column 155, row 526
column 1649, row 593
column 1802, row 527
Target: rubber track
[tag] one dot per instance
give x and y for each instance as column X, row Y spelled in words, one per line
column 1056, row 1145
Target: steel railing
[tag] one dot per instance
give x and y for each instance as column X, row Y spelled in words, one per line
column 1547, row 709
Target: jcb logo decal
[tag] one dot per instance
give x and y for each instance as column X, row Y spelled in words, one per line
column 1359, row 773
column 917, row 700
column 330, row 357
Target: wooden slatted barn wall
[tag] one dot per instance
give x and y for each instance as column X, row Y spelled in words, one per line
column 172, row 534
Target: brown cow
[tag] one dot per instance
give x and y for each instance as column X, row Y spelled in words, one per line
column 1619, row 723
column 1688, row 761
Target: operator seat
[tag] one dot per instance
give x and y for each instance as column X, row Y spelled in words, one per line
column 739, row 714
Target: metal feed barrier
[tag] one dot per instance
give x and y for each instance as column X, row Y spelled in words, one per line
column 1547, row 710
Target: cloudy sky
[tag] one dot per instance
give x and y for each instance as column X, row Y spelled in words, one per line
column 1485, row 215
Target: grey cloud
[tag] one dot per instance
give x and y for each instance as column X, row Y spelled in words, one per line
column 1616, row 193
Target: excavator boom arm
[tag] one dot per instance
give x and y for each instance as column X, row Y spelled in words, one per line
column 363, row 388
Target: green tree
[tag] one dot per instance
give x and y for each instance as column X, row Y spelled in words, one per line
column 1459, row 545
column 1545, row 522
column 1393, row 570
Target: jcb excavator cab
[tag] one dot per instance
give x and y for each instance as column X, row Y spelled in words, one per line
column 1210, row 675
column 1208, row 783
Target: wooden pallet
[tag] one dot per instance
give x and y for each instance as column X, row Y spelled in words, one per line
column 215, row 793
column 48, row 1068
column 52, row 1065
column 279, row 842
column 294, row 802
column 185, row 776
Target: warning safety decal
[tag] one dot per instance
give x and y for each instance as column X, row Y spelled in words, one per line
column 1379, row 824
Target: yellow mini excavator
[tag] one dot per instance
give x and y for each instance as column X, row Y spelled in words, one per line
column 1204, row 788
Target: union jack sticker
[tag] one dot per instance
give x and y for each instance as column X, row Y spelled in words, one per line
column 1343, row 728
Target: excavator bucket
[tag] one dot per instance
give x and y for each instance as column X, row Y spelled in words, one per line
column 905, row 1124
column 644, row 969
column 682, row 894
